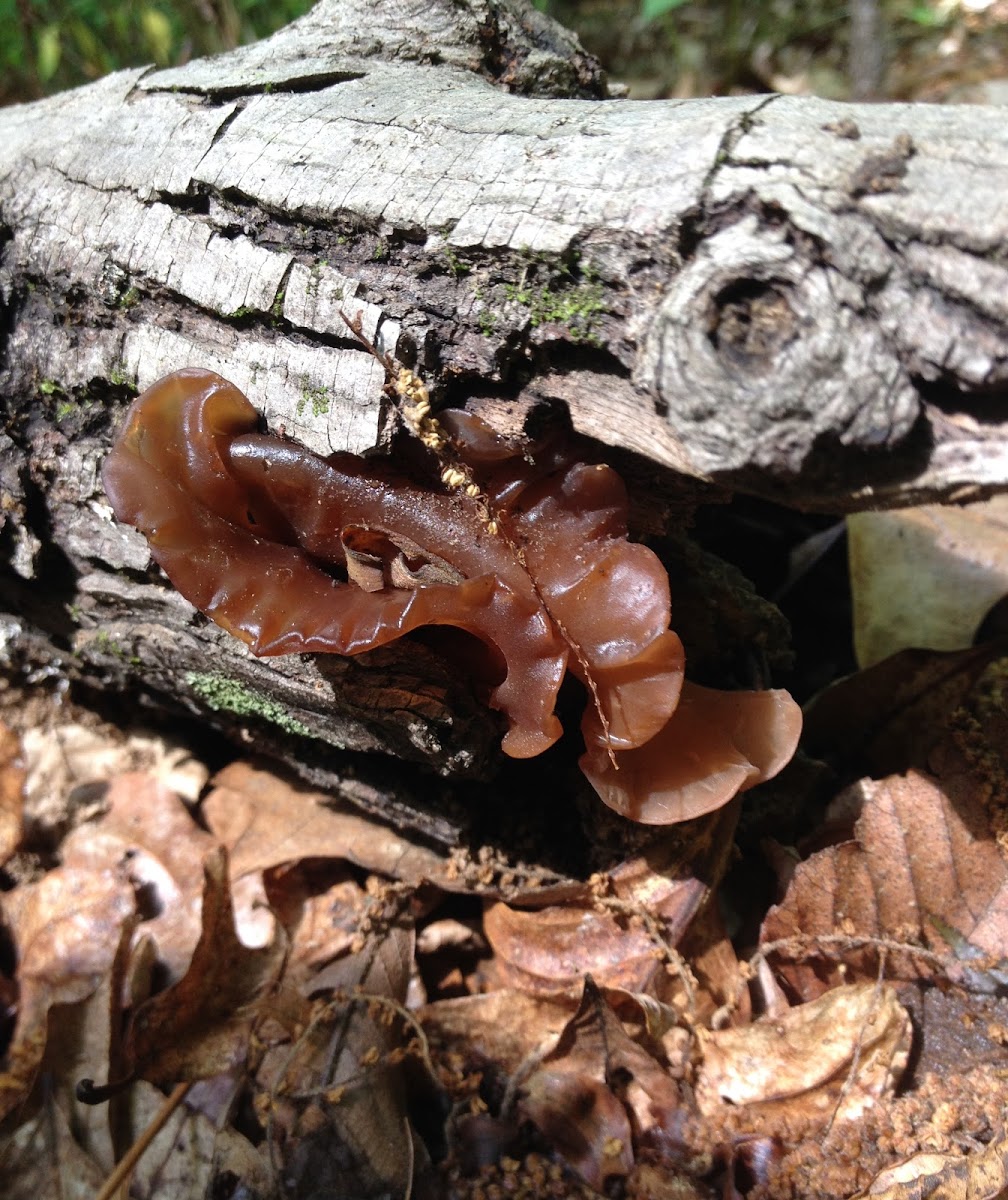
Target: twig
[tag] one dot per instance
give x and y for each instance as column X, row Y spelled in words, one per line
column 859, row 1041
column 671, row 956
column 809, row 945
column 124, row 1167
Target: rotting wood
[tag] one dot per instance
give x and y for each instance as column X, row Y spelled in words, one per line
column 800, row 299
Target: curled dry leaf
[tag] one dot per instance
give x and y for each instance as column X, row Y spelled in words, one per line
column 626, row 938
column 922, row 850
column 550, row 950
column 147, row 833
column 67, row 931
column 598, row 1093
column 803, row 1058
column 200, row 1025
column 521, row 547
column 12, row 782
column 982, row 1175
column 264, row 822
column 650, row 901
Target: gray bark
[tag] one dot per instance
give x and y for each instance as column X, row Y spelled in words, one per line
column 804, row 300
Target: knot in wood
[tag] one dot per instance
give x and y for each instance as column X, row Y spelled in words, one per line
column 763, row 355
column 751, row 322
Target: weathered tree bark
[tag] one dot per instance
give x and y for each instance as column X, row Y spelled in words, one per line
column 804, row 300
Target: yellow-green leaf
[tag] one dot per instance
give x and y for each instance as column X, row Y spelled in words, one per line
column 49, row 52
column 157, row 34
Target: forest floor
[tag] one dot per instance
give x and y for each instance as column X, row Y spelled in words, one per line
column 334, row 1009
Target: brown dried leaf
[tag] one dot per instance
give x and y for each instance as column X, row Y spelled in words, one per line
column 503, row 1028
column 191, row 1153
column 719, row 976
column 597, row 1091
column 620, row 942
column 147, row 830
column 85, row 1042
column 649, row 1022
column 67, row 931
column 803, row 1058
column 12, row 781
column 583, row 1121
column 42, row 1159
column 264, row 822
column 67, row 761
column 336, row 1096
column 320, row 927
column 889, row 716
column 655, row 883
column 200, row 1025
column 922, row 850
column 550, row 950
column 982, row 1175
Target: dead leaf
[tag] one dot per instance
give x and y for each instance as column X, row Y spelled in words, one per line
column 12, row 780
column 804, row 1057
column 550, row 950
column 67, row 761
column 715, row 965
column 147, row 832
column 921, row 851
column 85, row 1042
column 67, row 931
column 42, row 1159
column 583, row 1121
column 321, row 927
column 189, row 1152
column 335, row 1094
column 925, row 577
column 982, row 1175
column 200, row 1025
column 504, row 1028
column 889, row 717
column 654, row 883
column 264, row 821
column 650, row 1022
column 449, row 952
column 597, row 1091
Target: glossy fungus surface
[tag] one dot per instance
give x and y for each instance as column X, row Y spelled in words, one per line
column 295, row 553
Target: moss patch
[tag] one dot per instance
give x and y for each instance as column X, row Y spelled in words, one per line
column 313, row 396
column 560, row 300
column 220, row 692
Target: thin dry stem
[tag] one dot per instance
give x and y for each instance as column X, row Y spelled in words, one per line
column 859, row 1041
column 669, row 953
column 802, row 946
column 124, row 1168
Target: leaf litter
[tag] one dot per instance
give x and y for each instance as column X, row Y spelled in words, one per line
column 336, row 1008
